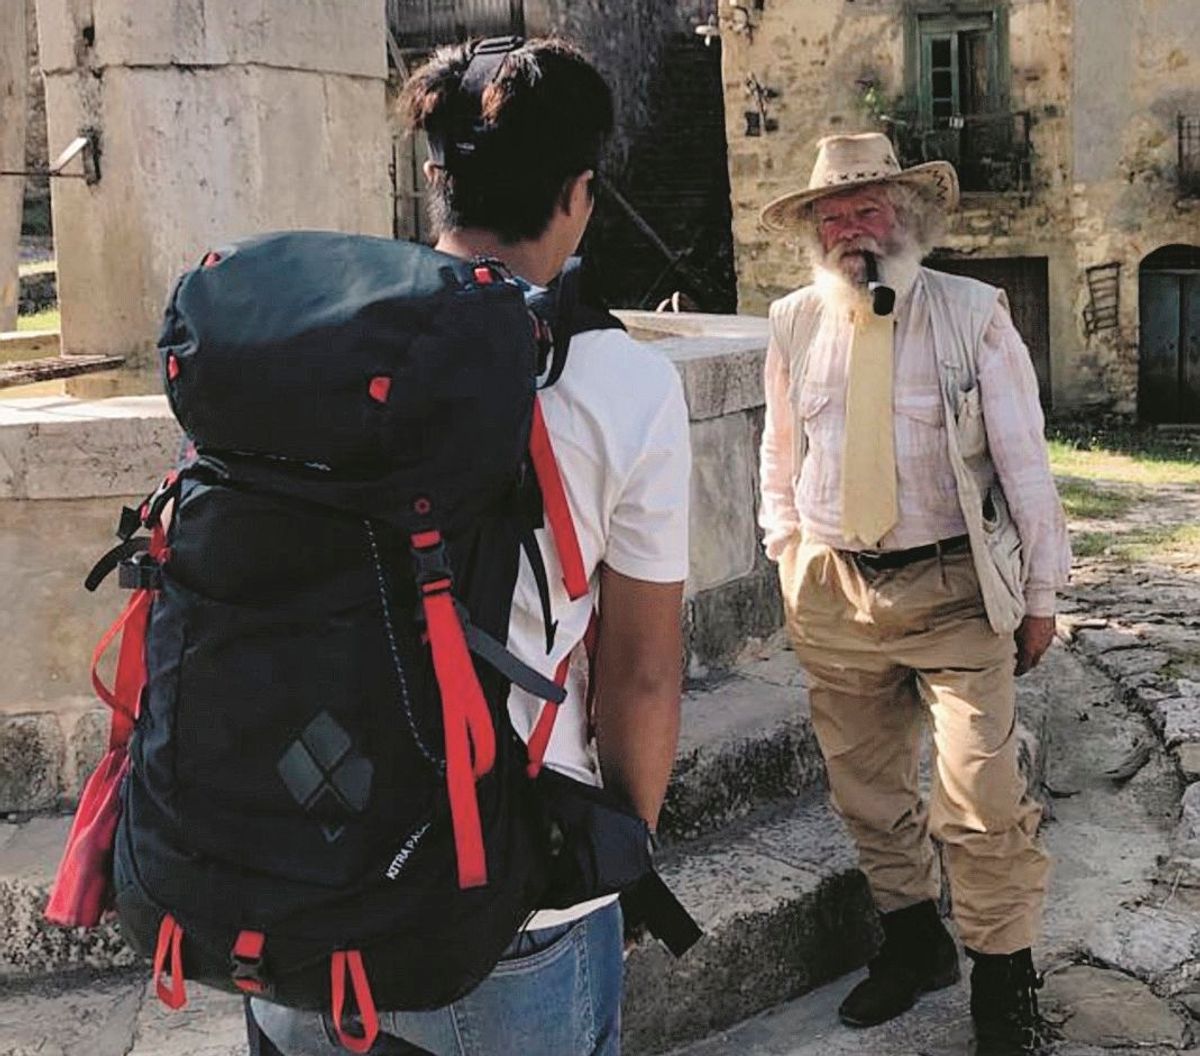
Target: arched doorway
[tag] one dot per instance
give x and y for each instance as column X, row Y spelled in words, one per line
column 1169, row 344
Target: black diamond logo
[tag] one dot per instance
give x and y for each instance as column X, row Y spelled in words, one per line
column 326, row 775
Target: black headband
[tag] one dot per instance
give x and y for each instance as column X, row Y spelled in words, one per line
column 466, row 130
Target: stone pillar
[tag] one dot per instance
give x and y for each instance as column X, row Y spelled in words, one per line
column 14, row 76
column 215, row 121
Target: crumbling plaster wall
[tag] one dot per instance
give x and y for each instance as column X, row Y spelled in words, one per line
column 1136, row 68
column 1102, row 88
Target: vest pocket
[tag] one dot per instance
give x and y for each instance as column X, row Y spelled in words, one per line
column 972, row 435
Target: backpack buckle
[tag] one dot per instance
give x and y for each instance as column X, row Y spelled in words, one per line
column 246, row 962
column 139, row 572
column 430, row 561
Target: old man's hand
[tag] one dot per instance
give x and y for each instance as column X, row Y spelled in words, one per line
column 1033, row 639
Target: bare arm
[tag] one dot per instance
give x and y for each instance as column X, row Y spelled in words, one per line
column 638, row 676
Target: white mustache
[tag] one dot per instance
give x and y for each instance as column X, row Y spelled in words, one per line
column 858, row 245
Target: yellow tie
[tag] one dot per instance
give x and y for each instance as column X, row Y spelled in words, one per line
column 869, row 451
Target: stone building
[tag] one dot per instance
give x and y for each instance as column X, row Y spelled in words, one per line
column 1075, row 126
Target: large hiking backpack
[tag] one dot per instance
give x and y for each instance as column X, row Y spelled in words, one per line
column 324, row 795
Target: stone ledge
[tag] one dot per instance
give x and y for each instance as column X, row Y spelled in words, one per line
column 784, row 908
column 62, row 448
column 719, row 357
column 744, row 741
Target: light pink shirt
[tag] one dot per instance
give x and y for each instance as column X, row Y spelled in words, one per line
column 927, row 495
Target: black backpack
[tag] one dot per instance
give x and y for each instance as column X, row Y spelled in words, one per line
column 325, row 797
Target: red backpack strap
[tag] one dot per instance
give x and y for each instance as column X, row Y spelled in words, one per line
column 466, row 720
column 130, row 677
column 558, row 512
column 539, row 739
column 170, row 938
column 352, row 960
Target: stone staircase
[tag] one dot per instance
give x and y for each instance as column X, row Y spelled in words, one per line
column 751, row 848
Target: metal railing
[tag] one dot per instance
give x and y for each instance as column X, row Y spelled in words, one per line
column 993, row 153
column 425, row 24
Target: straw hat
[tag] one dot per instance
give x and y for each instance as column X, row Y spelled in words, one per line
column 844, row 162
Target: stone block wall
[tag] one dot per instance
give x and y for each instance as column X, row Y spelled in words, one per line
column 68, row 466
column 1103, row 83
column 216, row 121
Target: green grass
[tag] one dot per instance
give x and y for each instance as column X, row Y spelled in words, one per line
column 1124, row 455
column 45, row 320
column 1143, row 543
column 1085, row 501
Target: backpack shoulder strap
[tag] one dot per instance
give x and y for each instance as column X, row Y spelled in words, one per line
column 569, row 313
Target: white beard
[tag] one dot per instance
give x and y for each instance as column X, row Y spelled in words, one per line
column 898, row 270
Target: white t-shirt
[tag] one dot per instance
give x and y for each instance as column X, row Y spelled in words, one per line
column 618, row 424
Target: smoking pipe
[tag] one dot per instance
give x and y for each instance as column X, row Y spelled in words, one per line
column 883, row 298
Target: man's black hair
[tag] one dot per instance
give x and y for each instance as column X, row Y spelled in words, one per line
column 542, row 120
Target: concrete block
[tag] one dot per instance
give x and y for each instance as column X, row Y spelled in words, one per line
column 722, row 527
column 32, row 751
column 61, row 448
column 719, row 377
column 46, row 642
column 86, row 745
column 194, row 158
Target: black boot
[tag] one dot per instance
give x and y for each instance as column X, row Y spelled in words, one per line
column 918, row 955
column 1004, row 1005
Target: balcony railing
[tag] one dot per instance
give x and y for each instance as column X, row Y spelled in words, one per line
column 992, row 152
column 1189, row 156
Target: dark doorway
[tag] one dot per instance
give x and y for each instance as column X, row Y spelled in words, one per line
column 1027, row 283
column 1169, row 343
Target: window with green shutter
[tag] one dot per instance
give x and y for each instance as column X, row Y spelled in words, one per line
column 958, row 79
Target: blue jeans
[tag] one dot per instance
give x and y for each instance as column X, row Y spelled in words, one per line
column 555, row 992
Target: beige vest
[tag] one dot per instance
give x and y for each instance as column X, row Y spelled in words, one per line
column 960, row 310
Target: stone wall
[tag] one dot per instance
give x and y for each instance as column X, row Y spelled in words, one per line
column 67, row 467
column 215, row 122
column 1102, row 89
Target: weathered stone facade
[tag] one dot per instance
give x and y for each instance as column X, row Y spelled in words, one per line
column 1103, row 82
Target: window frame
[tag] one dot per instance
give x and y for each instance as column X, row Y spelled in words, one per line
column 926, row 21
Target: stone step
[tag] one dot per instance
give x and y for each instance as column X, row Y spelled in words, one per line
column 784, row 909
column 746, row 741
column 779, row 898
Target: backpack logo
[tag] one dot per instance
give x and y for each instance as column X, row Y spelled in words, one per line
column 326, row 775
column 406, row 852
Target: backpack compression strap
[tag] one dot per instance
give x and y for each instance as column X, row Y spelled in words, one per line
column 470, row 738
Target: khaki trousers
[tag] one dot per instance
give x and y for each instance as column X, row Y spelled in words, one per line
column 885, row 651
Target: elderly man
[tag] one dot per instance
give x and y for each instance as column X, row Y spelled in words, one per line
column 908, row 500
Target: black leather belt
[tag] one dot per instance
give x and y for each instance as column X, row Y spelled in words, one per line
column 879, row 560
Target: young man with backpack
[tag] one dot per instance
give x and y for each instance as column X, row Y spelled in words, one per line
column 516, row 131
